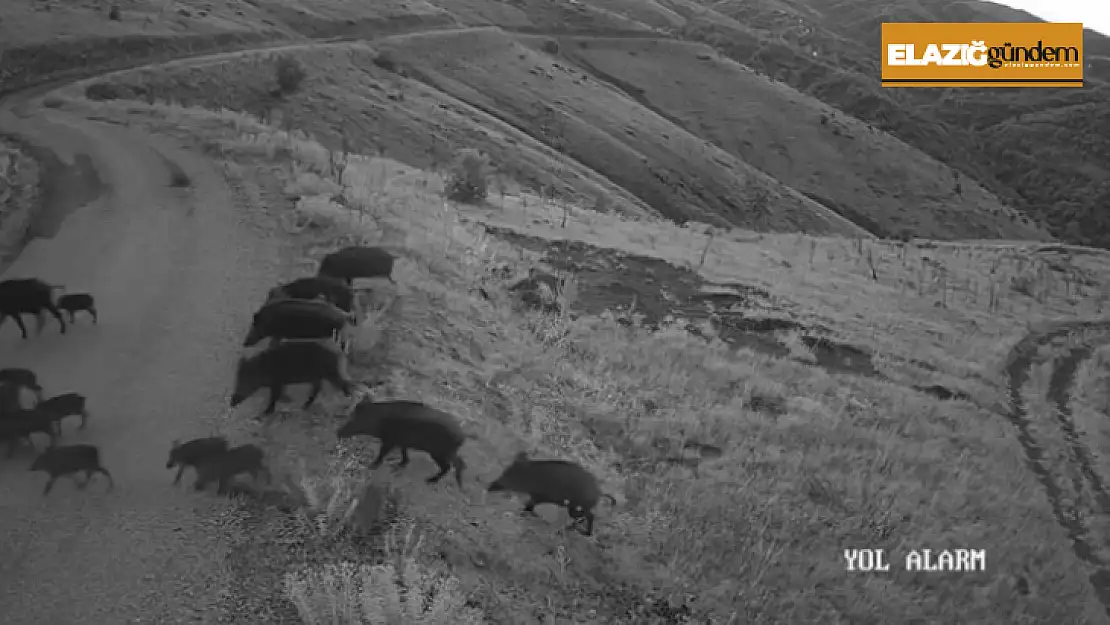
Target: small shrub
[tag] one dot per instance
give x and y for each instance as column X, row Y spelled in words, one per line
column 385, row 61
column 290, row 74
column 550, row 46
column 113, row 13
column 469, row 181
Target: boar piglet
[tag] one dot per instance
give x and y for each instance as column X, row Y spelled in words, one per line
column 68, row 460
column 288, row 363
column 558, row 482
column 73, row 303
column 358, row 262
column 224, row 467
column 193, row 453
column 21, row 424
column 65, row 405
column 409, row 424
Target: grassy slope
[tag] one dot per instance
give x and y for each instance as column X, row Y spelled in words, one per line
column 850, row 461
column 679, row 174
column 348, row 101
column 670, row 170
column 874, row 178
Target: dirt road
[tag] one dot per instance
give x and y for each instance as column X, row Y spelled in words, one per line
column 176, row 273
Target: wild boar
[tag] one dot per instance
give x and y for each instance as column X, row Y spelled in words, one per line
column 358, row 262
column 297, row 319
column 333, row 290
column 28, row 296
column 21, row 424
column 224, row 467
column 73, row 303
column 558, row 482
column 22, row 377
column 193, row 453
column 288, row 363
column 409, row 424
column 66, row 405
column 68, row 460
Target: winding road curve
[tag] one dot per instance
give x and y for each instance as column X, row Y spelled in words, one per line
column 175, row 273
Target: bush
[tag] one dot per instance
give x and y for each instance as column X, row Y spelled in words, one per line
column 469, row 181
column 551, row 47
column 290, row 74
column 400, row 591
column 385, row 61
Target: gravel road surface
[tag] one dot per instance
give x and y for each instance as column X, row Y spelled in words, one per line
column 176, row 273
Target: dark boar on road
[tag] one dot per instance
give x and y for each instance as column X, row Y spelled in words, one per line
column 558, row 482
column 25, row 378
column 293, row 362
column 73, row 303
column 358, row 262
column 192, row 453
column 297, row 319
column 66, row 405
column 409, row 424
column 223, row 467
column 28, row 296
column 68, row 460
column 21, row 424
column 334, row 290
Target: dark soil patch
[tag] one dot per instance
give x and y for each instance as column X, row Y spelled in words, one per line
column 608, row 279
column 943, row 393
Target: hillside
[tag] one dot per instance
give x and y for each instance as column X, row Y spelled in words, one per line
column 821, row 49
column 875, row 179
column 810, row 46
column 500, row 96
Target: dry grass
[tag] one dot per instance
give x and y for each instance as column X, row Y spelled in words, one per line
column 756, row 535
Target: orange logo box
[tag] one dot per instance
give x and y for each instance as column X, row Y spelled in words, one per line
column 989, row 54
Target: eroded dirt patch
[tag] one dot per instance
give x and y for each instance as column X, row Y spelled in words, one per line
column 610, row 280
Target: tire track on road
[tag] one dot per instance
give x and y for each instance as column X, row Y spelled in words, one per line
column 1017, row 371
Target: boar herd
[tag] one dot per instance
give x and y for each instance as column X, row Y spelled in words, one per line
column 309, row 322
